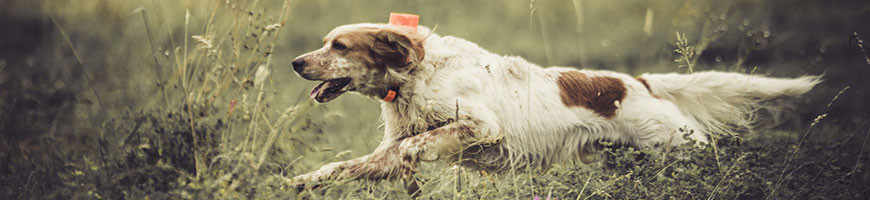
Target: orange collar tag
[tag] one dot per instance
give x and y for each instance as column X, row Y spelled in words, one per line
column 391, row 95
column 405, row 20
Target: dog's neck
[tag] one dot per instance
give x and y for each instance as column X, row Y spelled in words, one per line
column 387, row 94
column 400, row 89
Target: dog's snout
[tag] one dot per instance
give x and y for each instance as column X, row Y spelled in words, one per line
column 298, row 64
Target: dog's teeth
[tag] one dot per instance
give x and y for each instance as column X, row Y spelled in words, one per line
column 318, row 89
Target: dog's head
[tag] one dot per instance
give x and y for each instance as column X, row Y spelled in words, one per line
column 359, row 57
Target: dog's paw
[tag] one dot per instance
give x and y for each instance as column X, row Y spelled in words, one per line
column 296, row 185
column 299, row 183
column 314, row 179
column 299, row 187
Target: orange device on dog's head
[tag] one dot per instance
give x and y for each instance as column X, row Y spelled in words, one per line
column 405, row 20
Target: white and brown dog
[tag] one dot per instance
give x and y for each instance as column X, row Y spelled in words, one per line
column 443, row 95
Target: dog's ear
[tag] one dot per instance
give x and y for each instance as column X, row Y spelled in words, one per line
column 395, row 47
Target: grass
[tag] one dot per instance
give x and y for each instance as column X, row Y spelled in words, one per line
column 687, row 53
column 219, row 115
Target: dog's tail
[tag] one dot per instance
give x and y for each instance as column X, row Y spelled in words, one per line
column 721, row 101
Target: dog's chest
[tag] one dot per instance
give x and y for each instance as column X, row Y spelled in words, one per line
column 411, row 120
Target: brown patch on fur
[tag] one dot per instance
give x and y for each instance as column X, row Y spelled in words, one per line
column 358, row 46
column 597, row 93
column 645, row 84
column 397, row 47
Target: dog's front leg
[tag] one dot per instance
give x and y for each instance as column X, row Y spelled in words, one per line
column 383, row 163
column 446, row 140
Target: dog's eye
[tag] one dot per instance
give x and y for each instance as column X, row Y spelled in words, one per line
column 338, row 46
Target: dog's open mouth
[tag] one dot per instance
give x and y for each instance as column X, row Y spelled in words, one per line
column 329, row 89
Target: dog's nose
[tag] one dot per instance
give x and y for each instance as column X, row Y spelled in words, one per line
column 298, row 64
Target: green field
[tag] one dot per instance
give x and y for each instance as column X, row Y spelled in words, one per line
column 159, row 99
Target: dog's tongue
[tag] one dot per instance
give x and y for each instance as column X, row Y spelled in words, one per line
column 319, row 89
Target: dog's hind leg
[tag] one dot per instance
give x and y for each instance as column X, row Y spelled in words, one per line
column 651, row 121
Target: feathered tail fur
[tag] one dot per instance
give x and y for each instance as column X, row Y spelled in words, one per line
column 722, row 101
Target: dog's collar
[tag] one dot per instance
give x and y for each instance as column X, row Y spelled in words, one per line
column 392, row 93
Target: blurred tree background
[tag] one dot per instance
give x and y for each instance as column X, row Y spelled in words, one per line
column 196, row 99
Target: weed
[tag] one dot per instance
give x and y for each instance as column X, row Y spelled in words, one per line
column 686, row 51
